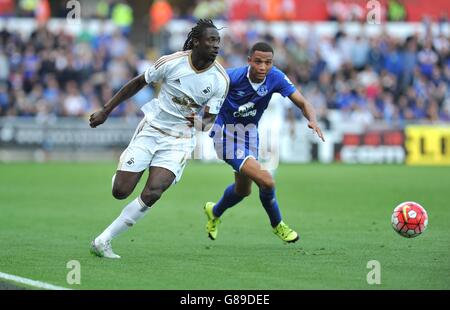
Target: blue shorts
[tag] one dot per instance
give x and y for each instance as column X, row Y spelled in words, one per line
column 235, row 146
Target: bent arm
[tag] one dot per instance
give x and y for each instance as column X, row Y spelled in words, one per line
column 126, row 92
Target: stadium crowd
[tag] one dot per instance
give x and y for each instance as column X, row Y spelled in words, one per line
column 54, row 74
column 380, row 78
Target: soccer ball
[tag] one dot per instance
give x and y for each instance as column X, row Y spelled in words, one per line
column 409, row 219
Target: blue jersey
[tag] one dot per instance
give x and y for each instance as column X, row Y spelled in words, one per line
column 245, row 105
column 235, row 132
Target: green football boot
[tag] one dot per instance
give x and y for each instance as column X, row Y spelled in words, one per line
column 213, row 222
column 285, row 233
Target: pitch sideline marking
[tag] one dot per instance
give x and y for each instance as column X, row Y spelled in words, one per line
column 30, row 282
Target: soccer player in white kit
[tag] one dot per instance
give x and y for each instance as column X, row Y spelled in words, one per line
column 193, row 83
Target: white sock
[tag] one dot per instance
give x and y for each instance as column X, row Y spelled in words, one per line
column 133, row 212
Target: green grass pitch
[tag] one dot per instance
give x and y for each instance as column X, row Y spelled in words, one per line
column 50, row 212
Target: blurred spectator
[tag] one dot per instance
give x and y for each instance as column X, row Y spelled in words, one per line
column 445, row 112
column 443, row 21
column 359, row 52
column 288, row 9
column 52, row 92
column 361, row 116
column 118, row 71
column 4, row 67
column 271, row 10
column 160, row 14
column 43, row 11
column 318, row 100
column 393, row 63
column 122, row 16
column 4, row 98
column 409, row 56
column 330, row 53
column 119, row 45
column 396, row 11
column 103, row 9
column 427, row 58
column 345, row 11
column 27, row 8
column 74, row 103
column 209, row 9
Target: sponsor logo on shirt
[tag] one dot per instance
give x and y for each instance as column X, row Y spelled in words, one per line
column 186, row 101
column 246, row 110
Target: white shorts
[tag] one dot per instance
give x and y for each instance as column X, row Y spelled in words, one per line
column 150, row 147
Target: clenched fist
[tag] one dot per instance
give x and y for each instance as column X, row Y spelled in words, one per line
column 97, row 118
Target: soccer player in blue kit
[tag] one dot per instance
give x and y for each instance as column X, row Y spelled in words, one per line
column 236, row 139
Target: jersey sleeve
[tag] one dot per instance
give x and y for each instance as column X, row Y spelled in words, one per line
column 157, row 71
column 285, row 86
column 215, row 103
column 231, row 75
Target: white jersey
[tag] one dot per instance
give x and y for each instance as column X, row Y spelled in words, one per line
column 184, row 91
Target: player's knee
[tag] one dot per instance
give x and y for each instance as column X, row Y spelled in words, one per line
column 151, row 195
column 267, row 183
column 120, row 193
column 243, row 192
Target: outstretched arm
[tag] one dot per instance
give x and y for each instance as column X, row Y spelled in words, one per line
column 126, row 92
column 308, row 111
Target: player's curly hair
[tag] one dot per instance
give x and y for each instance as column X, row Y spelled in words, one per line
column 196, row 32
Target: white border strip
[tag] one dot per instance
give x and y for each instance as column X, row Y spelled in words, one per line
column 38, row 284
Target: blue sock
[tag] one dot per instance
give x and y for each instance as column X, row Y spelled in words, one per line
column 229, row 199
column 270, row 204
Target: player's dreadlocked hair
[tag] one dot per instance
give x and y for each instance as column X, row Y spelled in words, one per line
column 196, row 32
